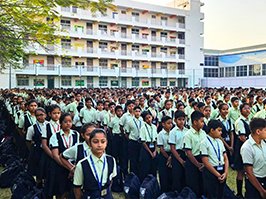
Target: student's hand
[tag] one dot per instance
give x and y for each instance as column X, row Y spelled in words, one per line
column 169, row 162
column 222, row 178
column 154, row 154
column 200, row 166
column 127, row 136
column 263, row 194
column 231, row 149
column 183, row 163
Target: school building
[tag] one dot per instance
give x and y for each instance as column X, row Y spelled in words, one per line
column 245, row 67
column 135, row 45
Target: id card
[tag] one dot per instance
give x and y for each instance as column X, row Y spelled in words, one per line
column 104, row 192
column 220, row 168
column 151, row 145
column 227, row 138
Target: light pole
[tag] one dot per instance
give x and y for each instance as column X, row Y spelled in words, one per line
column 9, row 76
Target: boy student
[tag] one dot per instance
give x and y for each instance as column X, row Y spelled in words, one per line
column 253, row 154
column 234, row 112
column 134, row 144
column 191, row 143
column 176, row 137
column 88, row 113
column 262, row 112
column 215, row 161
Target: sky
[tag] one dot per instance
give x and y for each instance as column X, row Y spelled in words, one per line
column 231, row 23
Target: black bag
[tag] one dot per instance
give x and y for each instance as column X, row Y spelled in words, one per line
column 228, row 193
column 22, row 185
column 169, row 195
column 9, row 174
column 118, row 184
column 131, row 186
column 7, row 146
column 149, row 188
column 187, row 193
column 35, row 194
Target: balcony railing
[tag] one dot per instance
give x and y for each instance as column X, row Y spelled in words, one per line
column 81, row 70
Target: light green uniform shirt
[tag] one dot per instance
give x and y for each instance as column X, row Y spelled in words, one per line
column 88, row 115
column 21, row 121
column 193, row 139
column 148, row 133
column 261, row 114
column 162, row 140
column 115, row 125
column 176, row 137
column 133, row 128
column 234, row 113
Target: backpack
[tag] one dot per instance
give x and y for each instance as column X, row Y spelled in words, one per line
column 187, row 193
column 131, row 186
column 149, row 188
column 117, row 185
column 9, row 174
column 22, row 186
column 169, row 195
column 7, row 146
column 35, row 194
column 228, row 193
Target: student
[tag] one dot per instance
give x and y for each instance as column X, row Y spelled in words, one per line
column 34, row 140
column 21, row 111
column 176, row 137
column 253, row 154
column 118, row 137
column 77, row 124
column 88, row 113
column 207, row 116
column 100, row 114
column 153, row 111
column 227, row 136
column 191, row 143
column 262, row 112
column 215, row 161
column 234, row 112
column 165, row 158
column 57, row 182
column 93, row 175
column 148, row 153
column 51, row 128
column 74, row 154
column 258, row 106
column 242, row 132
column 134, row 144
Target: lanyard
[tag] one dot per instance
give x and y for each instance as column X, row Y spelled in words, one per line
column 56, row 130
column 217, row 153
column 65, row 142
column 96, row 174
column 138, row 127
column 150, row 134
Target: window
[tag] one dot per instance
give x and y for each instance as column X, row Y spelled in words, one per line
column 66, row 43
column 65, row 9
column 103, row 28
column 103, row 81
column 89, row 64
column 135, row 64
column 23, row 81
column 74, row 9
column 254, row 70
column 103, row 46
column 65, row 24
column 66, row 62
column 38, row 82
column 172, row 83
column 26, row 60
column 103, row 63
column 211, row 60
column 153, row 16
column 163, row 82
column 263, row 69
column 164, row 18
column 241, row 71
column 181, row 68
column 135, row 15
column 163, row 65
column 145, row 51
column 221, row 72
column 123, row 12
column 210, row 72
column 135, row 31
column 66, row 81
column 135, row 81
column 230, row 71
column 164, row 34
column 135, row 48
column 164, row 50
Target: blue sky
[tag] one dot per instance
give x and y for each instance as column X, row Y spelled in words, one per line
column 231, row 23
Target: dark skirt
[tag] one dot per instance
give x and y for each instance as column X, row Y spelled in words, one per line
column 238, row 162
column 57, row 181
column 44, row 165
column 35, row 161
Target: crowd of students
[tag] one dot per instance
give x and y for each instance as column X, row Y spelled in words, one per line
column 74, row 139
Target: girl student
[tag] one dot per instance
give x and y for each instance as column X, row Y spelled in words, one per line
column 227, row 130
column 93, row 175
column 148, row 153
column 57, row 182
column 52, row 127
column 34, row 142
column 165, row 158
column 242, row 132
column 78, row 151
column 176, row 137
column 215, row 161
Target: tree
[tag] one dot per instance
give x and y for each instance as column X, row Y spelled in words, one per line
column 23, row 22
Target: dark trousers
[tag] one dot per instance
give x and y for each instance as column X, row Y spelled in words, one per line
column 165, row 174
column 117, row 148
column 194, row 177
column 213, row 188
column 178, row 173
column 133, row 155
column 109, row 144
column 251, row 191
column 148, row 165
column 124, row 165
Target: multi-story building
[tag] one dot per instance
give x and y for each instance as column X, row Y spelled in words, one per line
column 137, row 44
column 245, row 67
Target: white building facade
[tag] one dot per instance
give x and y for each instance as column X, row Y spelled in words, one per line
column 240, row 67
column 136, row 45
